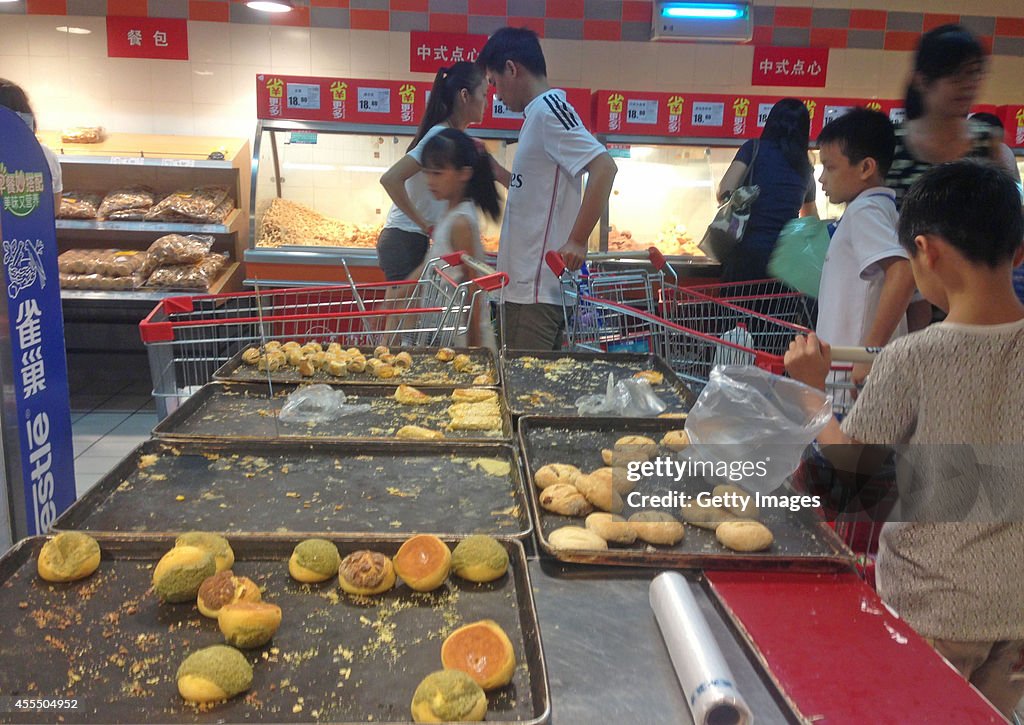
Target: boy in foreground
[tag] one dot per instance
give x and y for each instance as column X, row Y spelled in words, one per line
column 952, row 567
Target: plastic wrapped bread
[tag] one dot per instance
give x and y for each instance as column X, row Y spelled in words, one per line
column 76, row 205
column 174, row 249
column 198, row 276
column 130, row 203
column 196, row 205
column 112, row 263
column 83, row 134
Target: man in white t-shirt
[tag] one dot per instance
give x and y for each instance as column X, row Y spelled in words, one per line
column 545, row 209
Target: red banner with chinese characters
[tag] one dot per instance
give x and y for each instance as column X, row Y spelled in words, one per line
column 498, row 116
column 804, row 67
column 345, row 100
column 1013, row 120
column 430, row 51
column 162, row 38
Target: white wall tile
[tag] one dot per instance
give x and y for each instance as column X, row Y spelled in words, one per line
column 92, row 81
column 18, row 69
column 131, row 79
column 370, row 53
column 208, row 42
column 43, row 37
column 329, row 49
column 290, row 48
column 130, row 117
column 210, row 82
column 564, row 58
column 14, row 37
column 93, row 45
column 172, row 81
column 174, row 119
column 398, row 55
column 602, row 67
column 250, row 44
column 675, row 63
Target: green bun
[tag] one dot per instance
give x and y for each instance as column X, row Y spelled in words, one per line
column 223, row 666
column 319, row 555
column 448, row 696
column 479, row 558
column 182, row 570
column 215, row 544
column 68, row 556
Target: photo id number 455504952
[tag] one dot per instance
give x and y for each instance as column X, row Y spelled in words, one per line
column 36, row 704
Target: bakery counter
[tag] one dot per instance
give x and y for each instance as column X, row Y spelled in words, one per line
column 296, row 266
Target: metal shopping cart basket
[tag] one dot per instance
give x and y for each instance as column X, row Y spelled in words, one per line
column 188, row 338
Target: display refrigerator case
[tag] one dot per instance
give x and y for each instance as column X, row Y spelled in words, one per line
column 320, row 148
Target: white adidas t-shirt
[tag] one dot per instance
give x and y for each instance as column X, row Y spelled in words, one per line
column 416, row 187
column 544, row 196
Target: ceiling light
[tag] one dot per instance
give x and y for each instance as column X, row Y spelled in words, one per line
column 704, row 11
column 71, row 29
column 270, row 6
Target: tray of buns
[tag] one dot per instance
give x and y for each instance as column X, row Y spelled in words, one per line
column 112, row 647
column 549, row 383
column 409, row 365
column 593, row 503
column 273, row 486
column 398, row 412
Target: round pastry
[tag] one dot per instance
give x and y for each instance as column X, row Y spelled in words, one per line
column 334, row 348
column 479, row 558
column 744, row 508
column 314, row 560
column 295, row 356
column 402, row 361
column 291, row 345
column 68, row 557
column 249, row 624
column 651, row 376
column 607, row 456
column 213, row 674
column 565, row 500
column 251, row 356
column 381, row 350
column 657, row 527
column 181, row 571
column 387, row 358
column 636, row 445
column 483, row 651
column 271, row 362
column 576, row 538
column 273, row 346
column 484, row 379
column 445, row 354
column 366, row 573
column 600, row 491
column 337, row 368
column 744, row 535
column 384, row 371
column 306, row 368
column 462, row 363
column 423, row 562
column 448, row 696
column 705, row 517
column 613, row 529
column 225, row 588
column 356, row 365
column 676, row 440
column 620, row 480
column 217, row 546
column 555, row 473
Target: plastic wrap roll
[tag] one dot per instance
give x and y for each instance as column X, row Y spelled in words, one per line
column 707, row 683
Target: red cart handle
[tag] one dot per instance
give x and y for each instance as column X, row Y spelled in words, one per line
column 555, row 261
column 657, row 258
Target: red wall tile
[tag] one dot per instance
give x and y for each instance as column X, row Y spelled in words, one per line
column 934, row 20
column 210, row 10
column 488, row 7
column 448, row 23
column 867, row 19
column 602, row 30
column 367, row 19
column 792, row 17
column 901, row 40
column 571, row 9
column 1012, row 27
column 828, row 38
column 328, row 3
column 534, row 24
column 636, row 11
column 46, row 7
column 131, row 8
column 762, row 35
column 297, row 18
column 412, row 6
column 986, row 43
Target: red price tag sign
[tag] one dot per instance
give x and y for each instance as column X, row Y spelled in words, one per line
column 162, row 38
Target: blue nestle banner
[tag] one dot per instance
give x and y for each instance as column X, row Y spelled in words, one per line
column 40, row 376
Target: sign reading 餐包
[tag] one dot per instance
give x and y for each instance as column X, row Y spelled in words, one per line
column 804, row 67
column 161, row 38
column 430, row 51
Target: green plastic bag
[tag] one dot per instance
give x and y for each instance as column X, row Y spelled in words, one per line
column 799, row 254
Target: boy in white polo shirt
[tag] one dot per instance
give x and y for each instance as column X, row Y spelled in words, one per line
column 545, row 209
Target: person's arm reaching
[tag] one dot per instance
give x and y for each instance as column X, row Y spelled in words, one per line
column 602, row 170
column 463, row 241
column 893, row 300
column 393, row 180
column 731, row 179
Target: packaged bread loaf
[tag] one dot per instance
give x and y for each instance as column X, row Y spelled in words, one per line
column 173, row 249
column 73, row 261
column 130, row 203
column 96, row 282
column 191, row 205
column 122, row 263
column 76, row 205
column 188, row 276
column 83, row 134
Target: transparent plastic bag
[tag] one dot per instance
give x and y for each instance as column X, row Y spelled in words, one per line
column 747, row 414
column 318, row 404
column 629, row 397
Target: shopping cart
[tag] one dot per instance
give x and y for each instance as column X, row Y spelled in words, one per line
column 188, row 338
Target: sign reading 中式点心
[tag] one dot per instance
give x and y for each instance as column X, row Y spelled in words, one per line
column 430, row 51
column 36, row 332
column 802, row 67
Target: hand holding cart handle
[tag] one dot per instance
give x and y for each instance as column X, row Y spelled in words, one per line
column 855, row 354
column 558, row 266
column 489, row 279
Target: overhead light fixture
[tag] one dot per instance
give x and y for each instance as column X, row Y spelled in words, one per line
column 270, row 6
column 704, row 11
column 72, row 29
column 729, row 22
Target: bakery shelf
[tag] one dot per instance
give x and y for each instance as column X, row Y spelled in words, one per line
column 229, row 280
column 232, row 224
column 139, row 160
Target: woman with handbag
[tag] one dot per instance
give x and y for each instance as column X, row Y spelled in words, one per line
column 778, row 165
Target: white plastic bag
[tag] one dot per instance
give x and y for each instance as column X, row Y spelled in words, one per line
column 630, row 397
column 318, row 404
column 747, row 414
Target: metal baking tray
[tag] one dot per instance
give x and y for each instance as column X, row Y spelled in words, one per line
column 803, row 541
column 531, row 388
column 107, row 642
column 425, row 370
column 281, row 486
column 249, row 411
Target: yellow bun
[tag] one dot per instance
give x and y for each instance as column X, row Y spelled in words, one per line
column 314, row 560
column 600, row 491
column 423, row 562
column 381, row 350
column 249, row 624
column 366, row 573
column 635, row 444
column 652, row 376
column 554, row 473
column 611, row 528
column 657, row 527
column 402, row 361
column 676, row 440
column 448, row 696
column 607, row 456
column 620, row 480
column 576, row 538
column 565, row 500
column 744, row 535
column 225, row 588
column 445, row 354
column 181, row 571
column 744, row 507
column 479, row 558
column 213, row 674
column 67, row 557
column 216, row 545
column 483, row 651
column 705, row 517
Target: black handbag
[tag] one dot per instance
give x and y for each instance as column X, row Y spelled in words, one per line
column 726, row 230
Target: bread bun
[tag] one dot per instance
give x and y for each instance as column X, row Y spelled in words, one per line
column 483, row 651
column 652, row 376
column 381, row 350
column 479, row 558
column 607, row 456
column 635, row 445
column 249, row 624
column 705, row 517
column 463, row 364
column 181, row 571
column 423, row 562
column 68, row 557
column 746, row 536
column 657, row 527
column 225, row 588
column 213, row 674
column 408, row 395
column 484, row 379
column 474, row 395
column 314, row 560
column 555, row 473
column 676, row 440
column 565, row 500
column 445, row 354
column 613, row 529
column 576, row 538
column 620, row 480
column 448, row 696
column 749, row 511
column 217, row 546
column 366, row 573
column 598, row 488
column 402, row 361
